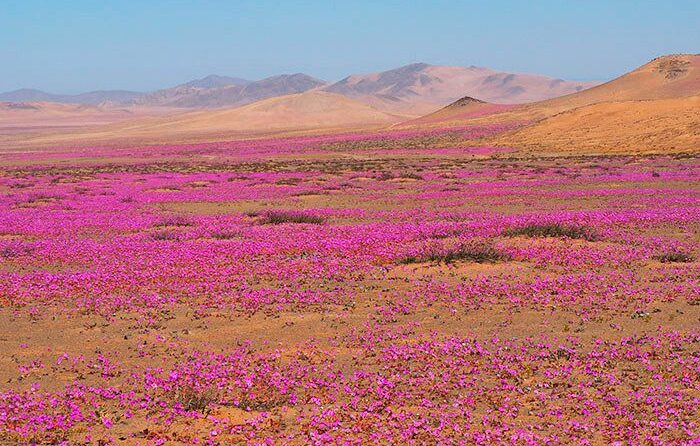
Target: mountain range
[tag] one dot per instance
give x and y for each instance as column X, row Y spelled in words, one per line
column 652, row 109
column 412, row 89
column 89, row 98
column 424, row 88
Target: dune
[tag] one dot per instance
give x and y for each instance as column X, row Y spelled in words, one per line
column 41, row 117
column 304, row 112
column 23, row 116
column 673, row 76
column 297, row 111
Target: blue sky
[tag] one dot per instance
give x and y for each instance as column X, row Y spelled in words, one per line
column 73, row 46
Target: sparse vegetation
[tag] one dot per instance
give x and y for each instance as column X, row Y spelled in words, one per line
column 165, row 236
column 469, row 252
column 553, row 230
column 194, row 400
column 386, row 176
column 14, row 250
column 173, row 220
column 224, row 235
column 674, row 256
column 288, row 182
column 280, row 217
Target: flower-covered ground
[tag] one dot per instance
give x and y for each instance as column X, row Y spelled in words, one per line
column 402, row 287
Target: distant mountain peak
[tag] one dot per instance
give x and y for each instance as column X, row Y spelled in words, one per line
column 294, row 76
column 25, row 95
column 416, row 66
column 26, row 90
column 215, row 81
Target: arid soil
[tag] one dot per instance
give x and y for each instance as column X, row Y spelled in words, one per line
column 659, row 126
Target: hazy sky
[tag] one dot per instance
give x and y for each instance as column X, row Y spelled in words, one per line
column 73, row 46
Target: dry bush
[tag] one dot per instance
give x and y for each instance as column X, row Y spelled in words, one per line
column 165, row 236
column 224, row 235
column 280, row 217
column 553, row 230
column 674, row 256
column 174, row 220
column 469, row 252
column 194, row 400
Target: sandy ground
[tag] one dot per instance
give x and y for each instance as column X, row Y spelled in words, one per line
column 654, row 126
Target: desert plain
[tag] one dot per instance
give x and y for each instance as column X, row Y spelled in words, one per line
column 320, row 268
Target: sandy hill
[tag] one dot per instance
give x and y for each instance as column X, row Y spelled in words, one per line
column 651, row 109
column 655, row 108
column 650, row 126
column 665, row 77
column 21, row 117
column 314, row 109
column 311, row 111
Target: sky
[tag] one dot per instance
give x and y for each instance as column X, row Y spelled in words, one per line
column 75, row 46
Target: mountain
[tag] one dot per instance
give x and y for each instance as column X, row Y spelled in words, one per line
column 27, row 95
column 89, row 98
column 222, row 94
column 434, row 86
column 412, row 90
